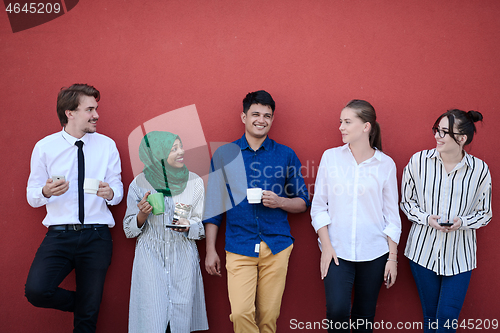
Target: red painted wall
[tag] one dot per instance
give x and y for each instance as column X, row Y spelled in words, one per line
column 411, row 59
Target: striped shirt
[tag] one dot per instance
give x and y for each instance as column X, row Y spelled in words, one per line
column 166, row 278
column 427, row 189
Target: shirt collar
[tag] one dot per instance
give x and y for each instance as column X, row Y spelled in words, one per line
column 377, row 155
column 433, row 153
column 243, row 143
column 71, row 139
column 467, row 159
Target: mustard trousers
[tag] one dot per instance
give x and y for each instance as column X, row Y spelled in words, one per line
column 255, row 287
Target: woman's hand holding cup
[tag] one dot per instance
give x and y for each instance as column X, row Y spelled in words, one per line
column 144, row 209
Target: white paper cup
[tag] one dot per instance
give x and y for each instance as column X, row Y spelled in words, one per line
column 91, row 185
column 254, row 195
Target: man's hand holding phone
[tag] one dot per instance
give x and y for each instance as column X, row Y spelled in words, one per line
column 57, row 185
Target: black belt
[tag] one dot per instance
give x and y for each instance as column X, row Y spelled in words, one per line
column 76, row 227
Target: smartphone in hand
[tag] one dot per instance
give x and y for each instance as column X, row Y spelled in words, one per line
column 176, row 226
column 446, row 224
column 56, row 178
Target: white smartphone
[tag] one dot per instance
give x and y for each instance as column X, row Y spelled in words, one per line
column 56, row 178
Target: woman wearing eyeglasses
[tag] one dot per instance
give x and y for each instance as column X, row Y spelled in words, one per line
column 446, row 193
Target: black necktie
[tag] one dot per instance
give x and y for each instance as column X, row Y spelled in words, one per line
column 81, row 177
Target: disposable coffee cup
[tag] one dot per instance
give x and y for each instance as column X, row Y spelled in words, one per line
column 157, row 202
column 91, row 185
column 181, row 211
column 254, row 195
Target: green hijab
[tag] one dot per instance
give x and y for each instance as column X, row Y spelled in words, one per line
column 153, row 152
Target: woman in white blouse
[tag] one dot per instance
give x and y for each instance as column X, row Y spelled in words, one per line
column 446, row 193
column 166, row 293
column 355, row 213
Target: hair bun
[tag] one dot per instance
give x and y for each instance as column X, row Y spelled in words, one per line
column 475, row 116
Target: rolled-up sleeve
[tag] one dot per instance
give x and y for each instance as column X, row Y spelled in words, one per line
column 130, row 220
column 295, row 186
column 390, row 206
column 196, row 229
column 217, row 196
column 319, row 208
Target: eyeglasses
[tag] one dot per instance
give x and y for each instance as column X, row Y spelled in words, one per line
column 441, row 132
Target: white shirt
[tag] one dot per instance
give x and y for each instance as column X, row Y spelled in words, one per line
column 427, row 189
column 56, row 155
column 358, row 203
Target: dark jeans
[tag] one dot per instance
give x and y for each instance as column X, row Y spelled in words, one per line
column 441, row 297
column 366, row 277
column 88, row 252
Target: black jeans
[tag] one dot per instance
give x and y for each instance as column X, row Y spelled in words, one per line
column 88, row 251
column 366, row 278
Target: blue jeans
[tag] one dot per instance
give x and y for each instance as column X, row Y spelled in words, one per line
column 366, row 277
column 88, row 252
column 441, row 297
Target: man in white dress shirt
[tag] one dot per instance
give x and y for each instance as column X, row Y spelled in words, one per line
column 78, row 223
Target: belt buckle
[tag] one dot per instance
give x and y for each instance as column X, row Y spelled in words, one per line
column 77, row 227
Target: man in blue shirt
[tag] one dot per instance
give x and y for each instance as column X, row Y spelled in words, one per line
column 258, row 238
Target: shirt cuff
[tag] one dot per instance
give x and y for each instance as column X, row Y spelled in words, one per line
column 114, row 200
column 42, row 198
column 194, row 231
column 320, row 221
column 394, row 232
column 308, row 203
column 134, row 228
column 422, row 218
column 213, row 221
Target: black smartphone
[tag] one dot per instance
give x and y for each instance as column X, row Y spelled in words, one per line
column 176, row 226
column 445, row 224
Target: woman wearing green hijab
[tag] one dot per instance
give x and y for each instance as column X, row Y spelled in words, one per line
column 166, row 292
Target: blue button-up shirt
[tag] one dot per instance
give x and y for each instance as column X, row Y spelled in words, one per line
column 236, row 167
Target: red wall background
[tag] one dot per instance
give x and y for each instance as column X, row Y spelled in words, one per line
column 411, row 59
